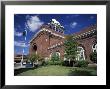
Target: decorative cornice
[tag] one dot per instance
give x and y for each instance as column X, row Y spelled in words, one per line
column 56, row 45
column 85, row 34
column 43, row 29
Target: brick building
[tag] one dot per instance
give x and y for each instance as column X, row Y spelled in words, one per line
column 50, row 38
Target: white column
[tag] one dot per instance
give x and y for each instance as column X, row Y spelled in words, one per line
column 83, row 55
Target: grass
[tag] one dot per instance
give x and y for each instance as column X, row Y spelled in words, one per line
column 56, row 70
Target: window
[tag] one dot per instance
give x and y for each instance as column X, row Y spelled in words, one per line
column 94, row 47
column 57, row 54
column 34, row 47
column 80, row 54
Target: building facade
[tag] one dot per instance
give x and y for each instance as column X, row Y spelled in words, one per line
column 50, row 39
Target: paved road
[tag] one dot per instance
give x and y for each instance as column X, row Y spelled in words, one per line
column 18, row 66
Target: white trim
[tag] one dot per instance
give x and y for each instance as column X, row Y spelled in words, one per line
column 58, row 54
column 53, row 46
column 36, row 52
column 85, row 33
column 47, row 31
column 81, row 52
column 55, row 52
column 93, row 49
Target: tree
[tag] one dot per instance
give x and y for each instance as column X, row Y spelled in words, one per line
column 93, row 57
column 33, row 58
column 70, row 48
column 55, row 57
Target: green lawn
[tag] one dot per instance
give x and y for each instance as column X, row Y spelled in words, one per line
column 56, row 70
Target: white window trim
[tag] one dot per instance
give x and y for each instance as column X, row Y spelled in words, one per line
column 79, row 54
column 93, row 49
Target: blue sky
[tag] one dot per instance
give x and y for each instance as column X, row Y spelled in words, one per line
column 32, row 22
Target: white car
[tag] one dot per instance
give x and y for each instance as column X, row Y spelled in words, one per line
column 24, row 63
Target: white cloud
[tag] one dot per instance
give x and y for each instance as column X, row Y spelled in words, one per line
column 18, row 33
column 33, row 23
column 73, row 24
column 20, row 44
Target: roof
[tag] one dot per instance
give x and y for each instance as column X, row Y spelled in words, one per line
column 86, row 32
column 46, row 28
column 86, row 29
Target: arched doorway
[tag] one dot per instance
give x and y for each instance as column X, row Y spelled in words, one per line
column 80, row 53
column 93, row 55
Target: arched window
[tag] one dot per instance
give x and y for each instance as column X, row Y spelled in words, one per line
column 94, row 47
column 57, row 54
column 34, row 47
column 64, row 56
column 80, row 53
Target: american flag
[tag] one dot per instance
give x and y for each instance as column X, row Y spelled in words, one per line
column 24, row 34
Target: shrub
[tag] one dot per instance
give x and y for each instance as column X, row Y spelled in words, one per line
column 50, row 62
column 55, row 60
column 63, row 63
column 54, row 63
column 33, row 57
column 83, row 72
column 36, row 60
column 82, row 63
column 55, row 57
column 44, row 63
column 93, row 57
column 67, row 63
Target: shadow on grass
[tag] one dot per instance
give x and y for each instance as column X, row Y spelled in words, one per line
column 18, row 71
column 83, row 72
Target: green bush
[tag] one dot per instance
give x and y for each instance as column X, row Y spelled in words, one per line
column 83, row 72
column 34, row 57
column 55, row 60
column 44, row 63
column 93, row 57
column 82, row 63
column 63, row 63
column 55, row 57
column 50, row 62
column 54, row 63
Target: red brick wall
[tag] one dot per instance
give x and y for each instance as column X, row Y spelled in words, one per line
column 43, row 42
column 87, row 45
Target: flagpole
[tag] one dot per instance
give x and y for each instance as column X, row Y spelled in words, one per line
column 22, row 58
column 23, row 48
